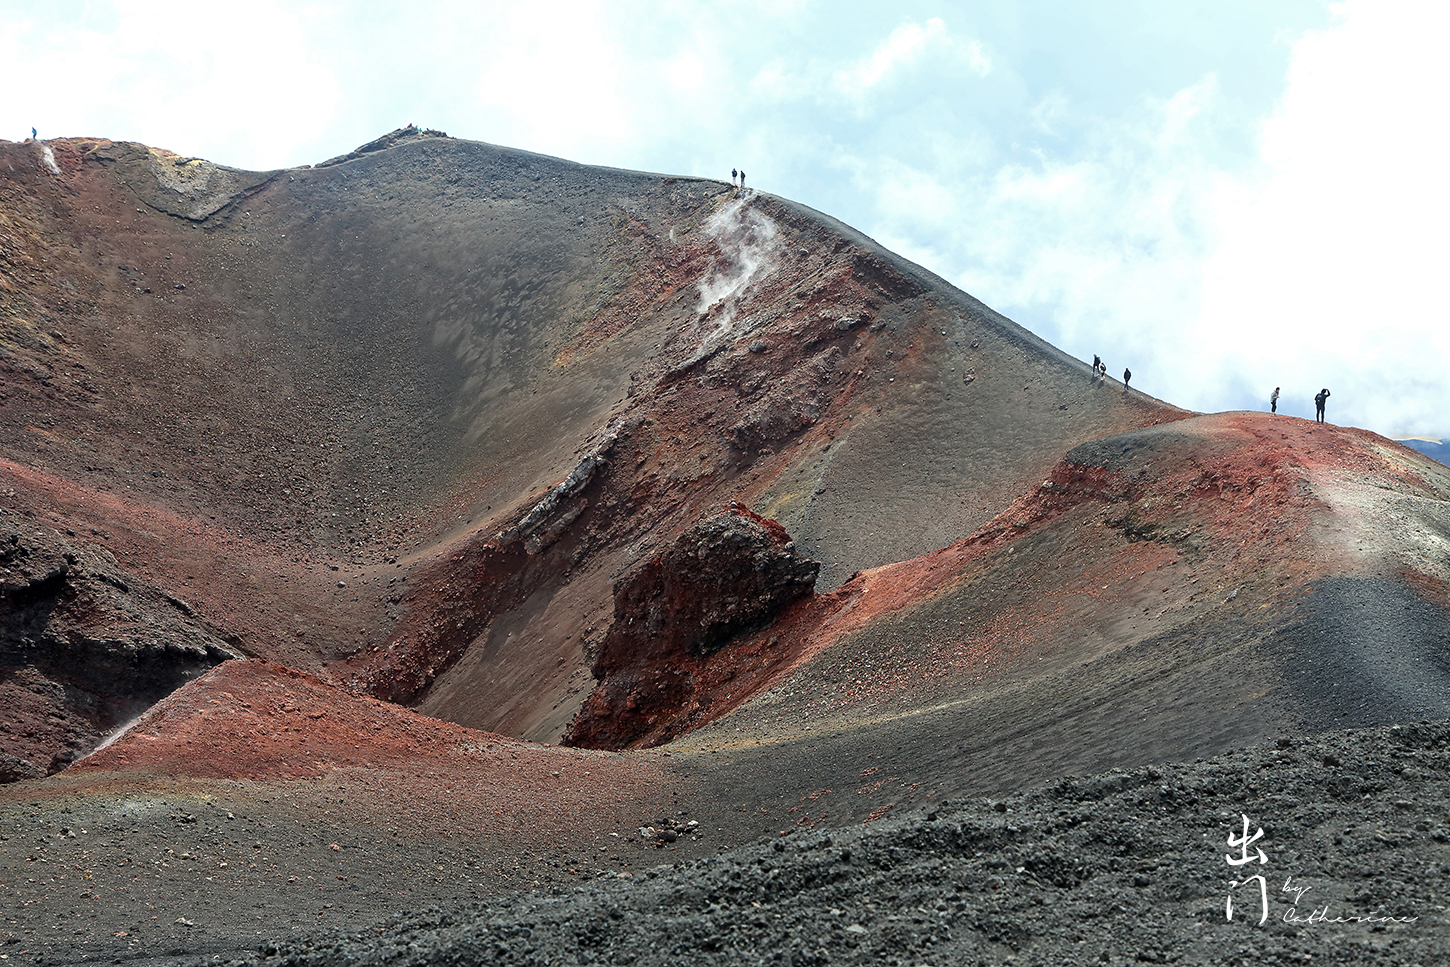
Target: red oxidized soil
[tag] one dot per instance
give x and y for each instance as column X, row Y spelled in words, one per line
column 260, row 722
column 1091, row 560
column 317, row 446
column 274, row 605
column 221, row 447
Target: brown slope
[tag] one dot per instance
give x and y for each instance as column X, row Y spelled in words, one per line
column 257, row 800
column 381, row 365
column 1020, row 653
column 508, row 409
column 1165, row 593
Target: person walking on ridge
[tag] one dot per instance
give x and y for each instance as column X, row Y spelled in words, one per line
column 1274, row 400
column 1319, row 399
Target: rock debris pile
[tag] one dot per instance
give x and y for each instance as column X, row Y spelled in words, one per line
column 727, row 574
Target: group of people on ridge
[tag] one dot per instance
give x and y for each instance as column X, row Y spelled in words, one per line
column 1319, row 400
column 1100, row 371
column 737, row 174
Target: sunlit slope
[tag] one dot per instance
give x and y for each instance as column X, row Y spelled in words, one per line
column 385, row 363
column 1164, row 593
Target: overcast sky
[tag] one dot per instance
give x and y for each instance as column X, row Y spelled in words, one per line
column 1225, row 196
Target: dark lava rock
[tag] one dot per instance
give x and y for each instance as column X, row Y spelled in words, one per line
column 728, row 574
column 1131, row 866
column 17, row 770
column 84, row 646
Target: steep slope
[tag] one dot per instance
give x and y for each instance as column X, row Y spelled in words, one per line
column 450, row 426
column 1171, row 592
column 367, row 378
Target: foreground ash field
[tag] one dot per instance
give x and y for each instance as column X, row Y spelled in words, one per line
column 446, row 521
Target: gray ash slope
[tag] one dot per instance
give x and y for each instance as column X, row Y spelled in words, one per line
column 362, row 364
column 1121, row 867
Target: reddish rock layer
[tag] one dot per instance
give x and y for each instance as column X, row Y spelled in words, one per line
column 263, row 723
column 728, row 574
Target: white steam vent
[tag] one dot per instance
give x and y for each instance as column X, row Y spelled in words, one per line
column 749, row 241
column 114, row 736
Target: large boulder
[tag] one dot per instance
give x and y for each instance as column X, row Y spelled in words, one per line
column 729, row 574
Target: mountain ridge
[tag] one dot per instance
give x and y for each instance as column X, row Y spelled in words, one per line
column 405, row 426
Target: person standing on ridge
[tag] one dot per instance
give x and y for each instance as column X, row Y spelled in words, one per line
column 1127, row 375
column 733, row 175
column 742, row 178
column 1274, row 400
column 1319, row 399
column 33, row 136
column 1097, row 364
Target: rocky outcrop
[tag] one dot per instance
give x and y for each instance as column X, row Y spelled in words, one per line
column 724, row 575
column 728, row 574
column 542, row 525
column 84, row 646
column 16, row 770
column 392, row 138
column 189, row 188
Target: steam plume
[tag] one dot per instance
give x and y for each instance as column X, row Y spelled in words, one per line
column 749, row 242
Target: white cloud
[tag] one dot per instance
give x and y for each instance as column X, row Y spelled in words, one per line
column 182, row 76
column 924, row 53
column 977, row 58
column 902, row 47
column 772, row 83
column 918, row 199
column 1049, row 111
column 686, row 73
column 1330, row 261
column 1097, row 248
column 560, row 85
column 1064, row 188
column 905, row 46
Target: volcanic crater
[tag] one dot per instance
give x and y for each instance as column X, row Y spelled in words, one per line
column 447, row 497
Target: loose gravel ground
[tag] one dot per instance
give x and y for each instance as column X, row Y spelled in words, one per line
column 1123, row 867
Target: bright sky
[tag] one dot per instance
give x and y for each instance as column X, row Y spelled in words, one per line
column 1226, row 195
